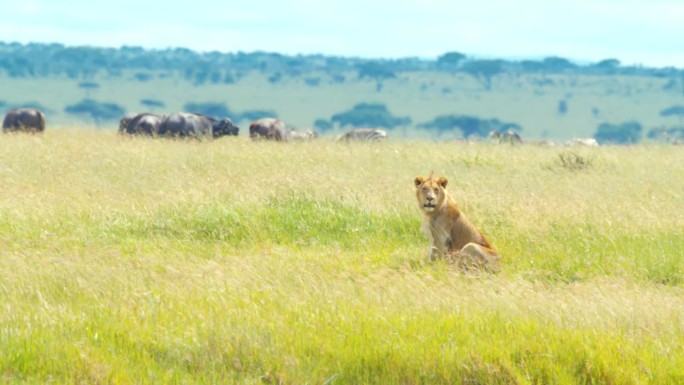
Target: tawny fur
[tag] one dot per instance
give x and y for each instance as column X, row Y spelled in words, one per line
column 451, row 234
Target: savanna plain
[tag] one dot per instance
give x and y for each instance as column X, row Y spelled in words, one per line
column 160, row 261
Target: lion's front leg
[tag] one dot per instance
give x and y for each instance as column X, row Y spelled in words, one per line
column 438, row 247
column 433, row 253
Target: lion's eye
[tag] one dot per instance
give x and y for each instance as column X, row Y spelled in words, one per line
column 436, row 191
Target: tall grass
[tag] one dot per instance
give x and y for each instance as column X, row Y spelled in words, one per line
column 143, row 261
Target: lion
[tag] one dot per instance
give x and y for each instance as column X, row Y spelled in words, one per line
column 451, row 234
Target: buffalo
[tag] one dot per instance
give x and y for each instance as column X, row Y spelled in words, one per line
column 179, row 124
column 24, row 119
column 145, row 124
column 221, row 127
column 269, row 129
column 186, row 124
column 125, row 121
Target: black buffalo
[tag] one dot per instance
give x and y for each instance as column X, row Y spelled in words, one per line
column 186, row 124
column 221, row 127
column 125, row 121
column 144, row 124
column 24, row 119
column 269, row 129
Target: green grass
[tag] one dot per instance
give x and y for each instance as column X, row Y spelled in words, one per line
column 158, row 261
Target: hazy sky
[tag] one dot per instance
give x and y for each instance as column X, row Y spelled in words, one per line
column 648, row 32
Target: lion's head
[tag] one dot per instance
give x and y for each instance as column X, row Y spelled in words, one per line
column 430, row 192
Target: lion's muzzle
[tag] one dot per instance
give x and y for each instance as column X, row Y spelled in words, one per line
column 430, row 206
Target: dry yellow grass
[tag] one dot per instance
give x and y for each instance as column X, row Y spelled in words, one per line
column 148, row 261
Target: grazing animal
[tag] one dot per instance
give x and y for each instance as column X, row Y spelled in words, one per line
column 194, row 124
column 125, row 121
column 24, row 119
column 363, row 134
column 222, row 127
column 494, row 135
column 269, row 129
column 303, row 135
column 144, row 124
column 450, row 233
column 508, row 136
column 186, row 124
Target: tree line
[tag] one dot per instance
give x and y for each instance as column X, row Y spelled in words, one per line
column 83, row 62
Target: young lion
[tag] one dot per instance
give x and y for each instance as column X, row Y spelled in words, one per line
column 450, row 233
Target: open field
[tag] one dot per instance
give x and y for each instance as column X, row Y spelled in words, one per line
column 160, row 261
column 529, row 100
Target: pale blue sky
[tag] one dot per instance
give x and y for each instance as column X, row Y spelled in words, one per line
column 635, row 32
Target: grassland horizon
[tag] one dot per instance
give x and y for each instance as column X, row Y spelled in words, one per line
column 555, row 107
column 227, row 261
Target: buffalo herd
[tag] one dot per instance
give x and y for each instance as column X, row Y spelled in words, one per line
column 200, row 126
column 191, row 125
column 177, row 124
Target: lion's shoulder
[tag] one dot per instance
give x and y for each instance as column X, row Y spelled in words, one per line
column 450, row 220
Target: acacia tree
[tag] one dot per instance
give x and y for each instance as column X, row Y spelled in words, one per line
column 369, row 115
column 98, row 111
column 608, row 63
column 377, row 72
column 450, row 60
column 88, row 87
column 470, row 126
column 606, row 66
column 484, row 70
column 323, row 125
column 676, row 110
column 557, row 64
column 625, row 133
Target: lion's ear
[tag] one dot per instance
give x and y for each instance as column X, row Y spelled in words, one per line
column 418, row 181
column 442, row 182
